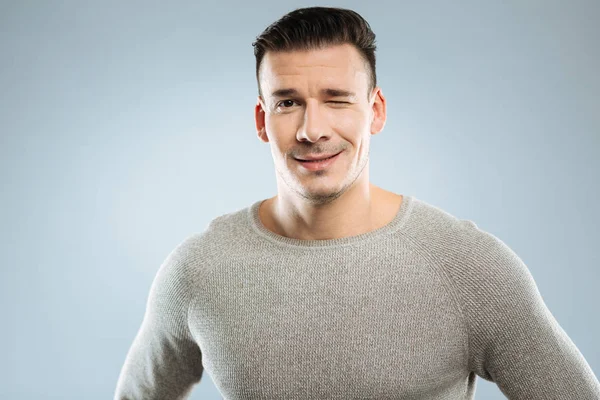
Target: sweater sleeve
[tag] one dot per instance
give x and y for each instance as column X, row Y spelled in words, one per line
column 515, row 341
column 164, row 361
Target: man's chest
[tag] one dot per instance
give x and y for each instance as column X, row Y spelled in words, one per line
column 343, row 331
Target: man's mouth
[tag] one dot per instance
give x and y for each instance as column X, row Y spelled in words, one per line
column 316, row 158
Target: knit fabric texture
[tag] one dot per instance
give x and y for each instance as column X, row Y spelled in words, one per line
column 416, row 309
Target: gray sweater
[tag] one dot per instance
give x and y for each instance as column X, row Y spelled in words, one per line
column 414, row 310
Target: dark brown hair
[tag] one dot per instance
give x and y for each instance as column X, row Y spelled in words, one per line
column 314, row 28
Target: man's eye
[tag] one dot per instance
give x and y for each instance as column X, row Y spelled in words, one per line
column 283, row 101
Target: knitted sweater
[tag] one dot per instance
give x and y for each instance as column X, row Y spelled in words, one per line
column 416, row 309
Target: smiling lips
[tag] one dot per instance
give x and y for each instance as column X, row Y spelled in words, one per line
column 319, row 164
column 316, row 157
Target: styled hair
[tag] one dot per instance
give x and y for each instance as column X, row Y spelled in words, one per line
column 313, row 28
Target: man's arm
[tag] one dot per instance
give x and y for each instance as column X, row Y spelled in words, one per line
column 514, row 339
column 164, row 361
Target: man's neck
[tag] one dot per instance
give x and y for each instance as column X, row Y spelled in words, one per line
column 381, row 209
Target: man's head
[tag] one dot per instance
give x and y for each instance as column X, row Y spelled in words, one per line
column 315, row 69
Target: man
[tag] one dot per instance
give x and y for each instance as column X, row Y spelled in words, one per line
column 336, row 288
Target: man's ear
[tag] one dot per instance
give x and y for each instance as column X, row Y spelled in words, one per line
column 259, row 119
column 379, row 112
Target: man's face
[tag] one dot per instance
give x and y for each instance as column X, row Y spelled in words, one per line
column 312, row 121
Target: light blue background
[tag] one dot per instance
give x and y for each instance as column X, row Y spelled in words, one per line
column 127, row 126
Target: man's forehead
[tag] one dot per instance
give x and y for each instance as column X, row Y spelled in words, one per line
column 330, row 71
column 293, row 79
column 335, row 60
column 323, row 61
column 284, row 74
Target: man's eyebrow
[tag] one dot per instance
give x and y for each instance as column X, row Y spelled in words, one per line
column 327, row 91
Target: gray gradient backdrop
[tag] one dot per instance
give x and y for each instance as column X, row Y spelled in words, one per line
column 127, row 126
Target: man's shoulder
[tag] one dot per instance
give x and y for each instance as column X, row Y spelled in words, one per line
column 480, row 265
column 220, row 232
column 460, row 246
column 229, row 224
column 433, row 223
